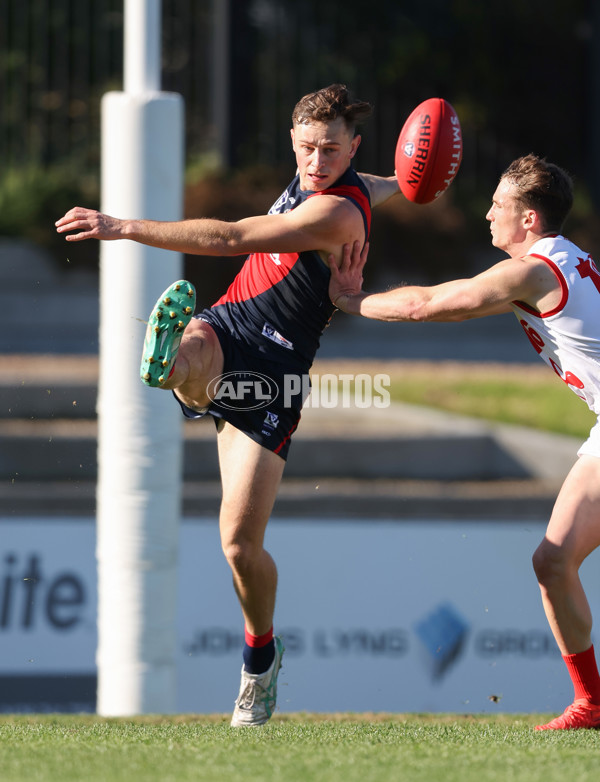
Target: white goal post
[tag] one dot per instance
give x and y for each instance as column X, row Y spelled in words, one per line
column 139, row 429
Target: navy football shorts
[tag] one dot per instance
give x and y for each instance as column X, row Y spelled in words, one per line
column 260, row 397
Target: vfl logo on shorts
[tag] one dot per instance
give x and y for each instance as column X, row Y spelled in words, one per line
column 270, row 423
column 270, row 333
column 242, row 391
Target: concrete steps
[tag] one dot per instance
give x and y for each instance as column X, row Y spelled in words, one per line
column 402, row 459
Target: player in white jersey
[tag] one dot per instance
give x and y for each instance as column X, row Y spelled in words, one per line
column 567, row 337
column 554, row 289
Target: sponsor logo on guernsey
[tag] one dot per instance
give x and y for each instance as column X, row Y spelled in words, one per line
column 270, row 333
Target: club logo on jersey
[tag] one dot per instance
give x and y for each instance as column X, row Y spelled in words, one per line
column 242, row 391
column 270, row 333
column 280, row 203
column 284, row 200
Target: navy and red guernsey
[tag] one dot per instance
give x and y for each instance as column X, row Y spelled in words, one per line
column 278, row 305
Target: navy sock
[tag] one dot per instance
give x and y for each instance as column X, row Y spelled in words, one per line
column 258, row 659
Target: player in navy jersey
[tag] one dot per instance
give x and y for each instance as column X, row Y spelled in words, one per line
column 553, row 287
column 266, row 328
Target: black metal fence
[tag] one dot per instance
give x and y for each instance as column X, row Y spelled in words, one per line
column 242, row 64
column 57, row 58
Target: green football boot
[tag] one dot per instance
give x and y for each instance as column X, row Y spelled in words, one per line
column 169, row 318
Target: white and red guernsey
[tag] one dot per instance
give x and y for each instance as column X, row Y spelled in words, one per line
column 278, row 305
column 568, row 336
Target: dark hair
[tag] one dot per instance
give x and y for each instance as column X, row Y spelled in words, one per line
column 329, row 103
column 542, row 186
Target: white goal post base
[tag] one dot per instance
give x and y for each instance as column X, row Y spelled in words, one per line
column 139, row 429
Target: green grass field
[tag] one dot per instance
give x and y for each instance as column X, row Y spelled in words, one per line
column 301, row 748
column 335, row 748
column 525, row 396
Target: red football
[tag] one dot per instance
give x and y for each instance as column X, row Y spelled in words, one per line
column 429, row 151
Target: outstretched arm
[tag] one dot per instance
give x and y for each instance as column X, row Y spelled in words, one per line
column 489, row 293
column 201, row 236
column 322, row 224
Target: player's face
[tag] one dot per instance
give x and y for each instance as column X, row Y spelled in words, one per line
column 323, row 152
column 507, row 218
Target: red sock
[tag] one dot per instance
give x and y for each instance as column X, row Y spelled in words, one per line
column 256, row 641
column 584, row 675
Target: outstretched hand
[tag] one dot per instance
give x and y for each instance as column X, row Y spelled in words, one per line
column 347, row 280
column 89, row 224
